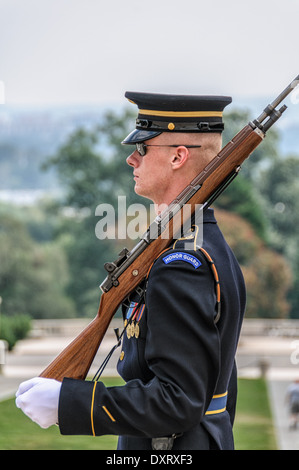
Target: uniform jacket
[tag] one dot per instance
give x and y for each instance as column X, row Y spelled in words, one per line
column 178, row 363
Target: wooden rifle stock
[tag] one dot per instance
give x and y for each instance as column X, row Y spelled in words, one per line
column 126, row 274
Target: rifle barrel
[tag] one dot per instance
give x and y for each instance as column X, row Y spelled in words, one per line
column 271, row 107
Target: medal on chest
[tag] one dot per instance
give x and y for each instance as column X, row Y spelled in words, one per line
column 133, row 317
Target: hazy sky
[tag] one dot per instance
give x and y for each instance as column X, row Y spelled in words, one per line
column 92, row 51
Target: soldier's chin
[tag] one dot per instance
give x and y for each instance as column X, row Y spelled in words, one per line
column 141, row 192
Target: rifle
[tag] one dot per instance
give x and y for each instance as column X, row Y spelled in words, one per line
column 130, row 268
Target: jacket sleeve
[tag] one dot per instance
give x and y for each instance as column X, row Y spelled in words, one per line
column 182, row 351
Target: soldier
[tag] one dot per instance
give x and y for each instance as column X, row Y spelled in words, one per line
column 183, row 325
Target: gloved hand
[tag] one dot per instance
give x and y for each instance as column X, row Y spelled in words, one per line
column 38, row 398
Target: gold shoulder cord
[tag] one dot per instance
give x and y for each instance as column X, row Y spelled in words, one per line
column 217, row 283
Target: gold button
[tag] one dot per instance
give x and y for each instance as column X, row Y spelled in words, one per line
column 122, row 355
column 171, row 126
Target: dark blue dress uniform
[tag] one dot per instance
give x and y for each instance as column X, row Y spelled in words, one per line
column 177, row 355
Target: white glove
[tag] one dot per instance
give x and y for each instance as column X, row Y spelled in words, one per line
column 38, row 398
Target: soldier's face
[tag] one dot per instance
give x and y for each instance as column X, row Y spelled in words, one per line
column 152, row 171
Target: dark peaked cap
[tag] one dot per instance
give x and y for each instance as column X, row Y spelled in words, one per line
column 159, row 113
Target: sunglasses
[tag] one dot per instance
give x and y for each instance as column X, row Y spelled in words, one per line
column 141, row 147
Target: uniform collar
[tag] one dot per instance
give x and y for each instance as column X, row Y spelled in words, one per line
column 209, row 217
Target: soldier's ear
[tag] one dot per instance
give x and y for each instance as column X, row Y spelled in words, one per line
column 179, row 157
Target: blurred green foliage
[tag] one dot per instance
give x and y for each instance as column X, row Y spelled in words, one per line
column 33, row 275
column 14, row 328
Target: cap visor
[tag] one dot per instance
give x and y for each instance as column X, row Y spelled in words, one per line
column 139, row 135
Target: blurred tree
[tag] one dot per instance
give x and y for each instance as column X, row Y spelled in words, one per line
column 268, row 280
column 267, row 274
column 241, row 196
column 279, row 186
column 13, row 328
column 92, row 164
column 32, row 276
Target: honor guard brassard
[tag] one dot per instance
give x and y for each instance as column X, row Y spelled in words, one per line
column 159, row 113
